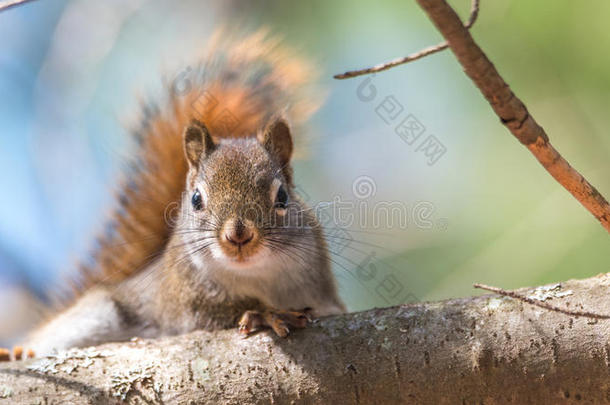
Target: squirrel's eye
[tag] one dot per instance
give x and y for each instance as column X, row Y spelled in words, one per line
column 197, row 200
column 281, row 198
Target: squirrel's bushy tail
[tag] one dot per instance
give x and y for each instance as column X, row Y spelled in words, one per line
column 237, row 85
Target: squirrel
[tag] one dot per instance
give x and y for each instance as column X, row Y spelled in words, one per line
column 244, row 249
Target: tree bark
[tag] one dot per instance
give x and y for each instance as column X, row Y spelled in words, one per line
column 486, row 349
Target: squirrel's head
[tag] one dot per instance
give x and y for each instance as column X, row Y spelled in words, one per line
column 238, row 195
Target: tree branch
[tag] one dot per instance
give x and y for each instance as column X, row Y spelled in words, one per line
column 474, row 13
column 487, row 349
column 5, row 5
column 511, row 110
column 537, row 302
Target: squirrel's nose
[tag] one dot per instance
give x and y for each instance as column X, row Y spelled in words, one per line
column 239, row 234
column 239, row 240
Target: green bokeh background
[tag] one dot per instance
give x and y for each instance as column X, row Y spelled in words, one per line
column 509, row 223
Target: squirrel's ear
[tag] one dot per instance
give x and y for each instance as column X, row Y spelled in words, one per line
column 197, row 143
column 276, row 138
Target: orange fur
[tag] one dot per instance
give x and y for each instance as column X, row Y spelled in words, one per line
column 236, row 87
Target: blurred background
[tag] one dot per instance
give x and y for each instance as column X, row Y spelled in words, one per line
column 474, row 205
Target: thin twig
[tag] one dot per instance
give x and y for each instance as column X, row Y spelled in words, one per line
column 511, row 110
column 507, row 106
column 12, row 3
column 474, row 13
column 540, row 304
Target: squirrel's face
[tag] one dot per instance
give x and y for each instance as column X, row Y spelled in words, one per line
column 238, row 195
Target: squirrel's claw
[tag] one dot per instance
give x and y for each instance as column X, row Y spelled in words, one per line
column 279, row 321
column 249, row 322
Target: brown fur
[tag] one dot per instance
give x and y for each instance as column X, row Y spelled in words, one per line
column 170, row 264
column 235, row 88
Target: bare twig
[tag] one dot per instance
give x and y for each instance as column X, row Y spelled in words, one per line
column 541, row 304
column 474, row 13
column 508, row 107
column 388, row 65
column 5, row 5
column 511, row 110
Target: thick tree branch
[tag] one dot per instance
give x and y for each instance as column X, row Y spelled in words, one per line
column 488, row 349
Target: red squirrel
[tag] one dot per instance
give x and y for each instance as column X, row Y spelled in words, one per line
column 244, row 250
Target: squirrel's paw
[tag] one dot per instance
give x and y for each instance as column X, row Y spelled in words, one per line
column 279, row 321
column 15, row 354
